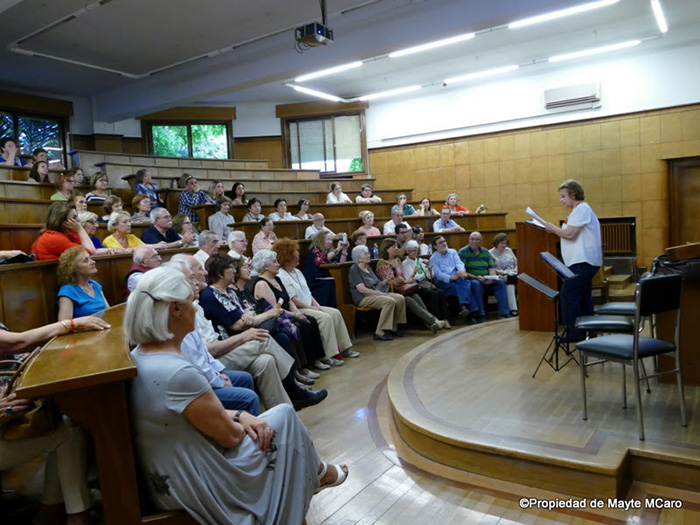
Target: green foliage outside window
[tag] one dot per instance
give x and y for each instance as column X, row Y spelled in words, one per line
column 170, row 141
column 208, row 141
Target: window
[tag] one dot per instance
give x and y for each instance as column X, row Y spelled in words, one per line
column 209, row 141
column 332, row 144
column 34, row 131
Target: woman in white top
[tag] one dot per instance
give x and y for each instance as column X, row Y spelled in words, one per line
column 219, row 221
column 336, row 196
column 281, row 213
column 331, row 325
column 582, row 252
column 506, row 267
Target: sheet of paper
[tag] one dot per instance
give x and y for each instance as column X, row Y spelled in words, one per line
column 536, row 217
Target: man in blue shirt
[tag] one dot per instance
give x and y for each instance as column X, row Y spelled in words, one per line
column 162, row 231
column 449, row 274
column 445, row 224
column 191, row 196
column 482, row 273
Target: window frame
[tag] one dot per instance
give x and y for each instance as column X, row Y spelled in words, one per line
column 16, row 114
column 147, row 128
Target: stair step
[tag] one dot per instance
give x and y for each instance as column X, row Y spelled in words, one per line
column 607, row 270
column 623, row 293
column 619, row 281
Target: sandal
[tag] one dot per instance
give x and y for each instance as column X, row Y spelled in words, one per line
column 303, row 379
column 342, row 476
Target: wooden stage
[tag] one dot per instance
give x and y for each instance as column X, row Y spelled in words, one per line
column 467, row 400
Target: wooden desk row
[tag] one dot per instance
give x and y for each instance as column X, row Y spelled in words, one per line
column 34, row 211
column 87, row 159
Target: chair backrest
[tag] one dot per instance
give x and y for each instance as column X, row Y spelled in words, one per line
column 659, row 294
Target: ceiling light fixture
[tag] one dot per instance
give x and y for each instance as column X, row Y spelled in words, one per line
column 315, row 93
column 431, row 45
column 659, row 14
column 594, row 51
column 390, row 93
column 329, row 71
column 480, row 74
column 561, row 13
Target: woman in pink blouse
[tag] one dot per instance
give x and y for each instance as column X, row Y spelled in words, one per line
column 368, row 226
column 266, row 237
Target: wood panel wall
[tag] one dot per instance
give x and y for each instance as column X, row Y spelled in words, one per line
column 268, row 148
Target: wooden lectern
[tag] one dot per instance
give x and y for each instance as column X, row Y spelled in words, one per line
column 536, row 312
column 690, row 320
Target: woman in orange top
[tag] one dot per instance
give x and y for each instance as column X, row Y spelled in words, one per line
column 62, row 231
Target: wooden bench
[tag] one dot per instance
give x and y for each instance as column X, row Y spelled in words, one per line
column 87, row 159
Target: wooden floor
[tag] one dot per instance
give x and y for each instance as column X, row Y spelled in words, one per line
column 494, row 394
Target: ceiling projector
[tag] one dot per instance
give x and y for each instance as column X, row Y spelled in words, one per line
column 313, row 35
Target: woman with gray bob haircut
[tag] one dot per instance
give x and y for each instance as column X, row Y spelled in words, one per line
column 221, row 466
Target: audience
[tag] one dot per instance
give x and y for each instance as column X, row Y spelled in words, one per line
column 219, row 221
column 78, row 294
column 449, row 275
column 336, row 195
column 425, row 208
column 238, row 245
column 421, row 272
column 238, row 194
column 396, row 219
column 452, row 202
column 216, row 190
column 141, row 205
column 120, row 225
column 419, row 236
column 145, row 186
column 281, row 213
column 303, row 214
column 89, row 222
column 254, row 211
column 368, row 290
column 266, row 237
column 64, row 187
column 161, row 231
column 366, row 197
column 445, row 224
column 506, row 266
column 145, row 258
column 199, row 447
column 98, row 188
column 182, row 225
column 319, row 225
column 62, row 231
column 208, row 245
column 9, row 152
column 191, row 196
column 41, row 155
column 78, row 200
column 78, row 175
column 39, row 172
column 403, row 205
column 319, row 280
column 112, row 204
column 480, row 269
column 367, row 218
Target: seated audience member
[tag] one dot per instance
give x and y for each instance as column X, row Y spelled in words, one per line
column 421, row 272
column 62, row 231
column 336, row 195
column 445, row 224
column 319, row 279
column 78, row 294
column 198, row 447
column 238, row 194
column 452, row 203
column 78, row 200
column 268, row 286
column 216, row 190
column 98, row 188
column 366, row 197
column 41, row 155
column 403, row 205
column 319, row 225
column 141, row 205
column 191, row 196
column 219, row 221
column 112, row 204
column 280, row 213
column 229, row 316
column 334, row 333
column 478, row 265
column 358, row 238
column 396, row 219
column 419, row 236
column 425, row 208
column 65, row 491
column 449, row 275
column 182, row 225
column 266, row 237
column 254, row 211
column 506, row 266
column 64, row 187
column 208, row 246
column 390, row 271
column 39, row 172
column 10, row 153
column 367, row 290
column 145, row 258
column 89, row 222
column 304, row 205
column 161, row 231
column 78, row 176
column 255, row 351
column 146, row 186
column 238, row 245
column 120, row 225
column 367, row 218
column 403, row 235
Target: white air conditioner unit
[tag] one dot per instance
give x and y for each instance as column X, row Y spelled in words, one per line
column 572, row 95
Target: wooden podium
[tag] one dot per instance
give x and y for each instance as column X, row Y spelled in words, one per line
column 690, row 320
column 536, row 312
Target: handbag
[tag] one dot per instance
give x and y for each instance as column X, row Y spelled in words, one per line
column 41, row 419
column 407, row 288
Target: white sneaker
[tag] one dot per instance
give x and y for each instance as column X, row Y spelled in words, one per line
column 321, row 365
column 334, row 362
column 308, row 373
column 351, row 353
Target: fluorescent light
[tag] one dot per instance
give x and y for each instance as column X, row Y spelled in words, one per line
column 315, row 93
column 480, row 74
column 561, row 13
column 432, row 45
column 329, row 71
column 595, row 51
column 389, row 93
column 659, row 14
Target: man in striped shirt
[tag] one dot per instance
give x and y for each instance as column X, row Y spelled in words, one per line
column 480, row 269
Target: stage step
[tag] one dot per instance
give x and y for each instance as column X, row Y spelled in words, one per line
column 619, row 281
column 623, row 293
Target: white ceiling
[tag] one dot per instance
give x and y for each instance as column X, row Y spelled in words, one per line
column 164, row 53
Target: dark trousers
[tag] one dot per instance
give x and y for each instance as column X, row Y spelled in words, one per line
column 435, row 301
column 577, row 297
